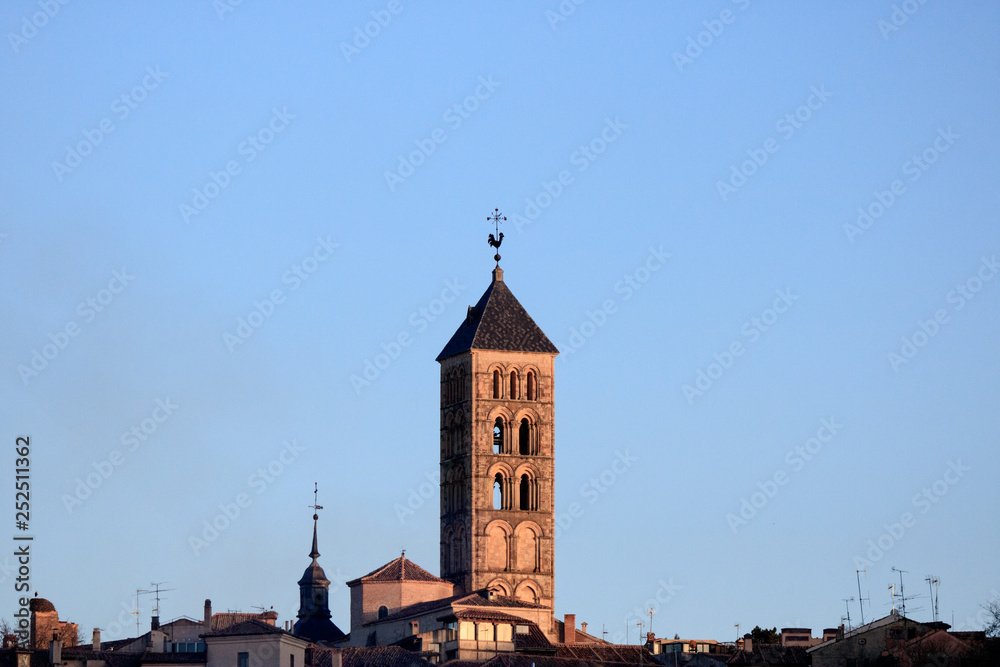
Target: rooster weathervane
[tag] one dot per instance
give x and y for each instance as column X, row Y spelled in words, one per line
column 495, row 241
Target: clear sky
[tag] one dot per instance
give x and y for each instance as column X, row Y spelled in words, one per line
column 763, row 236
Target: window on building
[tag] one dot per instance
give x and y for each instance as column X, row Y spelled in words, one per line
column 243, row 659
column 484, row 632
column 503, row 633
column 513, row 386
column 466, row 630
column 525, row 493
column 498, row 492
column 496, row 384
column 498, row 436
column 532, row 392
column 383, row 611
column 524, row 438
column 291, row 660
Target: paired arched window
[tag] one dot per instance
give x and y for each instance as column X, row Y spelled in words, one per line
column 514, row 388
column 524, row 438
column 496, row 384
column 532, row 390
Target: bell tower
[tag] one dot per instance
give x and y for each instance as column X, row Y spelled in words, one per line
column 497, row 449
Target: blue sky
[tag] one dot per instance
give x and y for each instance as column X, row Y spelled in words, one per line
column 764, row 239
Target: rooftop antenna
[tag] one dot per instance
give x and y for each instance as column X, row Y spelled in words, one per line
column 651, row 612
column 861, row 600
column 892, row 595
column 933, row 582
column 138, row 592
column 737, row 626
column 847, row 604
column 495, row 241
column 157, row 590
column 902, row 595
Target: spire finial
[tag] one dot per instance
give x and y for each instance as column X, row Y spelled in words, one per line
column 316, row 507
column 495, row 241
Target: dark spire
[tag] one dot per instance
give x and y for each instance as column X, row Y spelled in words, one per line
column 316, row 507
column 314, row 588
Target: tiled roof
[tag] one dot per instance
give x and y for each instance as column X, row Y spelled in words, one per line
column 498, row 322
column 400, row 569
column 224, row 620
column 484, row 615
column 528, row 660
column 374, row 656
column 605, row 653
column 770, row 654
column 252, row 626
column 39, row 658
column 477, row 599
column 534, row 641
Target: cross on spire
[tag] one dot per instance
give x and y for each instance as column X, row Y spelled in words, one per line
column 495, row 241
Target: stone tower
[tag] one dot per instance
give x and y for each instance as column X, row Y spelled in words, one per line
column 497, row 451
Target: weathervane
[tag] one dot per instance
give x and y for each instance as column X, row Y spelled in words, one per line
column 495, row 241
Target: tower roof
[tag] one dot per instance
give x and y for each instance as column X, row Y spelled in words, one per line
column 498, row 322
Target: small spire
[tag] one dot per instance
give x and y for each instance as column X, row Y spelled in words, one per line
column 316, row 507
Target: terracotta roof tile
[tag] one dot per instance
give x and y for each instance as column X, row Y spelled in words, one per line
column 400, row 569
column 375, row 656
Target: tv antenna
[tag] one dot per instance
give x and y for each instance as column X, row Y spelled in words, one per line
column 933, row 582
column 902, row 595
column 157, row 590
column 847, row 604
column 861, row 600
column 138, row 592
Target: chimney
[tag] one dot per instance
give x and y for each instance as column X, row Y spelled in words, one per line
column 97, row 639
column 55, row 651
column 208, row 614
column 336, row 660
column 569, row 629
column 840, row 631
column 583, row 627
column 748, row 643
column 414, row 627
column 154, row 623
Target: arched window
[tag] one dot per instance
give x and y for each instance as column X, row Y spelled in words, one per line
column 383, row 611
column 498, row 436
column 496, row 384
column 531, row 386
column 461, row 384
column 524, row 438
column 513, row 386
column 498, row 492
column 525, row 492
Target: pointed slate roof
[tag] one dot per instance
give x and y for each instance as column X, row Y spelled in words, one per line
column 498, row 322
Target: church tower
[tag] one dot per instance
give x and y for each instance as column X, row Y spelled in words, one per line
column 497, row 450
column 314, row 604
